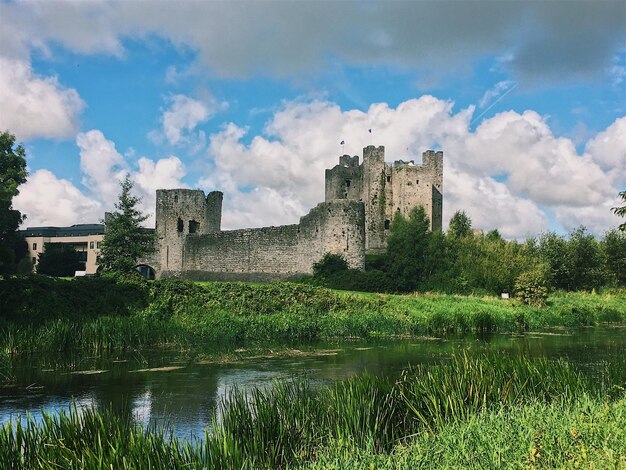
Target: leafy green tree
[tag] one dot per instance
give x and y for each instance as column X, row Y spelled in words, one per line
column 12, row 174
column 621, row 211
column 460, row 225
column 588, row 261
column 125, row 241
column 59, row 259
column 553, row 249
column 407, row 249
column 614, row 246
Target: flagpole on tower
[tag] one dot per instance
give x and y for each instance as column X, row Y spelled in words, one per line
column 342, row 143
column 370, row 131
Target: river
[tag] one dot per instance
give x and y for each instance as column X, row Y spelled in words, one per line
column 182, row 389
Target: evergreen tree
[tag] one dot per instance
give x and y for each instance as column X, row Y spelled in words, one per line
column 12, row 174
column 460, row 225
column 125, row 241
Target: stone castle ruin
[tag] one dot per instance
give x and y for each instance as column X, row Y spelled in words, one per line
column 354, row 219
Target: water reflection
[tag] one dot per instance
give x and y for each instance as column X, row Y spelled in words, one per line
column 179, row 389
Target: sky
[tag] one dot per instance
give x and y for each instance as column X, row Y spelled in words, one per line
column 527, row 100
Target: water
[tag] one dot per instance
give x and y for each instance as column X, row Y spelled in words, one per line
column 182, row 389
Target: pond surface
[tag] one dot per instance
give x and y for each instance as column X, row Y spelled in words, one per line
column 182, row 389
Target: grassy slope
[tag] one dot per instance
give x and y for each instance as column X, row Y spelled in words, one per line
column 43, row 314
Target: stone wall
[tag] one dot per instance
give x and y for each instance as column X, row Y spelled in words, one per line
column 266, row 253
column 386, row 189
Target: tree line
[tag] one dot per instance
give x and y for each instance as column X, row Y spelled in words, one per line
column 463, row 260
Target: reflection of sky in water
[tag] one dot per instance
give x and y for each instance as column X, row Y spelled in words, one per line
column 185, row 399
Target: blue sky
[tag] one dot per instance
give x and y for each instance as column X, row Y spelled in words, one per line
column 526, row 99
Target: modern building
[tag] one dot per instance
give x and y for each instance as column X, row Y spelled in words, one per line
column 84, row 238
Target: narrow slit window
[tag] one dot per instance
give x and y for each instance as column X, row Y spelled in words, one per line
column 180, row 226
column 348, row 183
column 417, row 181
column 388, row 179
column 387, row 224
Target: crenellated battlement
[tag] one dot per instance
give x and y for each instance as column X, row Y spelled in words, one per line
column 388, row 188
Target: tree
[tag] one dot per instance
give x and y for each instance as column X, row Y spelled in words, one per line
column 125, row 241
column 59, row 259
column 588, row 261
column 614, row 246
column 621, row 211
column 460, row 225
column 12, row 174
column 407, row 249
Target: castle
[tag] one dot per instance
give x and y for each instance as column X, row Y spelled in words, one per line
column 360, row 202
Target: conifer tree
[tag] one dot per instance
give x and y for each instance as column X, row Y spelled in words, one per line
column 125, row 241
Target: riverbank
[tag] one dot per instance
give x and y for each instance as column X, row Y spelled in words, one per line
column 44, row 314
column 490, row 410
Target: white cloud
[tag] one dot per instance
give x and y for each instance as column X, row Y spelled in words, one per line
column 48, row 200
column 101, row 165
column 503, row 174
column 495, row 92
column 32, row 106
column 608, row 150
column 181, row 118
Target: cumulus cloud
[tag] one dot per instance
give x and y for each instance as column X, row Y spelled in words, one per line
column 505, row 174
column 181, row 118
column 544, row 39
column 48, row 200
column 101, row 165
column 32, row 106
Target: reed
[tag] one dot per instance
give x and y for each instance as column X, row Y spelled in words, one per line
column 367, row 417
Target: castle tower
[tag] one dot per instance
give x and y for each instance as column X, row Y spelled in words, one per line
column 180, row 213
column 373, row 195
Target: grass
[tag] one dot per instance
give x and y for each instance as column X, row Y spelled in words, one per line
column 42, row 314
column 494, row 410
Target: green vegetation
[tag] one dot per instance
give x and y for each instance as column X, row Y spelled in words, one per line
column 115, row 312
column 59, row 259
column 125, row 241
column 462, row 262
column 12, row 174
column 501, row 410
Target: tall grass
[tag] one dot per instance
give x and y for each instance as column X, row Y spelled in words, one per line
column 189, row 314
column 294, row 423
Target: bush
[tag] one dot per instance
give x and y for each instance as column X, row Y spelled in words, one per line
column 531, row 287
column 329, row 265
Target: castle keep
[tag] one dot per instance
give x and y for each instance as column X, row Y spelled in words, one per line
column 386, row 189
column 361, row 200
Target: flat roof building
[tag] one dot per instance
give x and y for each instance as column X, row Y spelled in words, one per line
column 84, row 238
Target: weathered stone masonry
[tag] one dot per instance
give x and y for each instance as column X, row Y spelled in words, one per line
column 360, row 202
column 386, row 189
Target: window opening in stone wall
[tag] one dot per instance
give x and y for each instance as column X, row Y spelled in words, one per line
column 34, row 246
column 91, row 245
column 388, row 179
column 194, row 226
column 348, row 182
column 387, row 224
column 417, row 181
column 180, row 226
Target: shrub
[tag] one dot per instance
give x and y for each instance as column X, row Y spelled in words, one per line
column 531, row 287
column 329, row 265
